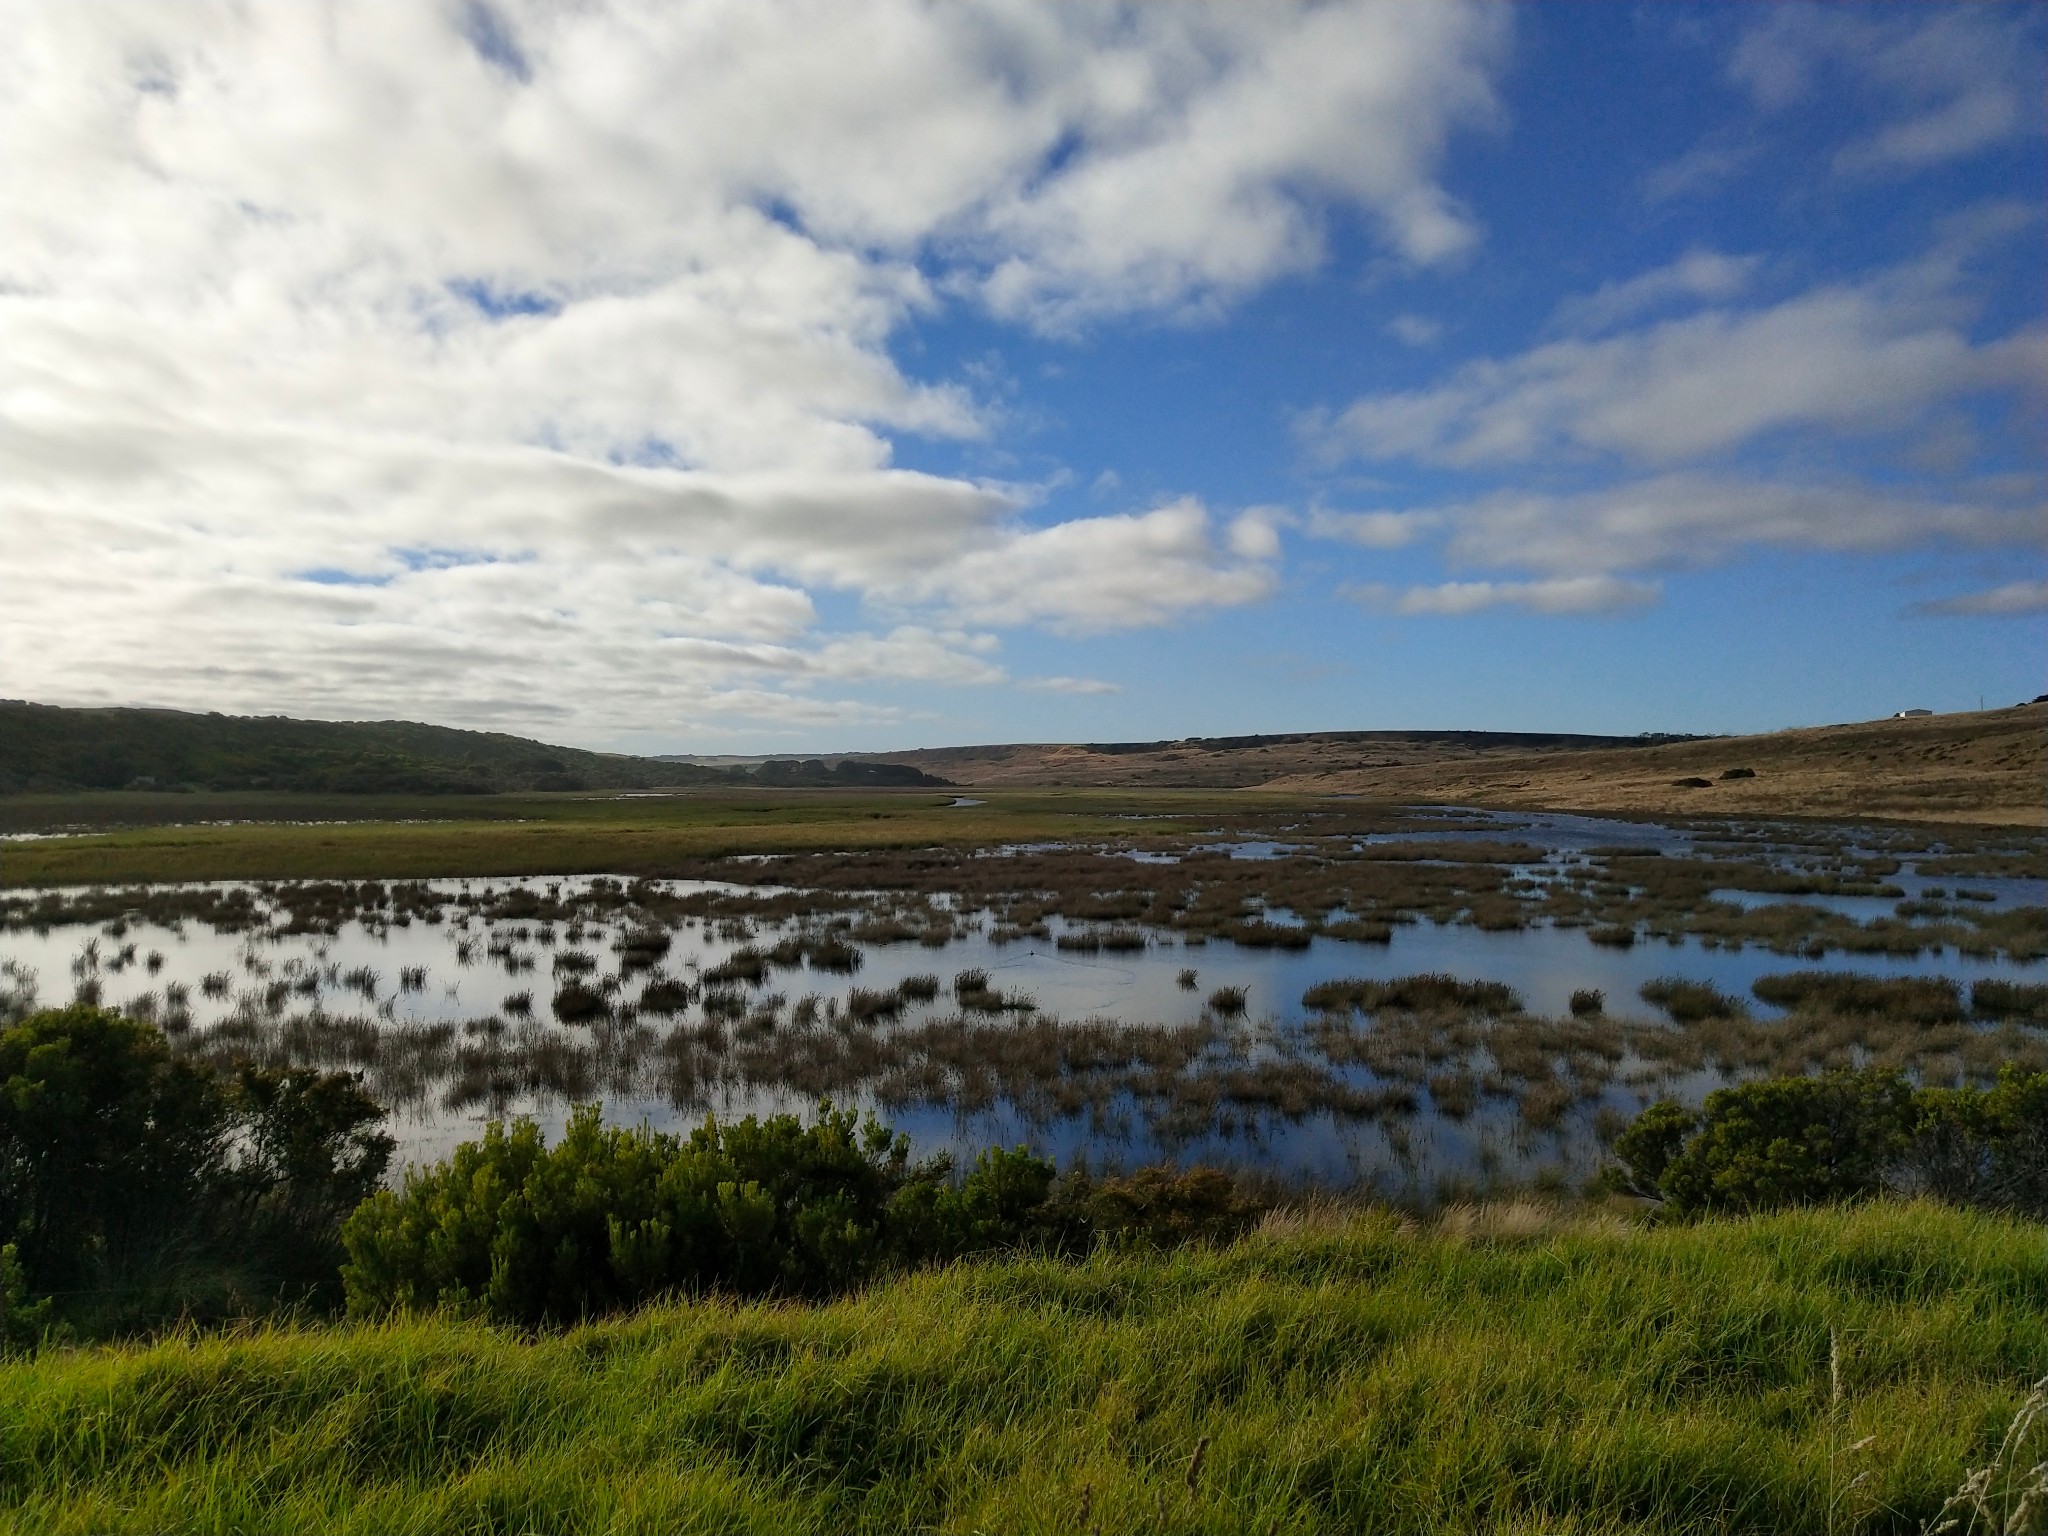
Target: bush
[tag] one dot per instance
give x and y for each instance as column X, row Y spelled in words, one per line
column 126, row 1172
column 1806, row 1140
column 1792, row 1141
column 1984, row 1147
column 609, row 1218
column 1588, row 1002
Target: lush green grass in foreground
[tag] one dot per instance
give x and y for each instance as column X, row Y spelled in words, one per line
column 1510, row 1373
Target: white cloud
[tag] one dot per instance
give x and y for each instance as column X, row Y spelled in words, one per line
column 1946, row 82
column 2014, row 597
column 1371, row 530
column 600, row 298
column 1094, row 574
column 1076, row 685
column 1562, row 595
column 1415, row 330
column 1843, row 357
column 1690, row 519
column 1696, row 275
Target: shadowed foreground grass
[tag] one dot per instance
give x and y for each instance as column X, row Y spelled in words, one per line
column 1505, row 1371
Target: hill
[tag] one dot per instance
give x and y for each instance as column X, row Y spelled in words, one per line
column 46, row 748
column 1987, row 766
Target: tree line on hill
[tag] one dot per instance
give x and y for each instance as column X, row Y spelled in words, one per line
column 50, row 749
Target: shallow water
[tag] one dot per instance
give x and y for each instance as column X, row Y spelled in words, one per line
column 360, row 972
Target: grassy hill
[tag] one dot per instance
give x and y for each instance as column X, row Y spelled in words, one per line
column 1508, row 1371
column 52, row 750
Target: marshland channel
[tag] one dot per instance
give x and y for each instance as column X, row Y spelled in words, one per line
column 755, row 982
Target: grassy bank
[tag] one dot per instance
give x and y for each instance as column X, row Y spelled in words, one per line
column 1816, row 1372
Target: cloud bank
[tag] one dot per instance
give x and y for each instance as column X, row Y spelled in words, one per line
column 519, row 364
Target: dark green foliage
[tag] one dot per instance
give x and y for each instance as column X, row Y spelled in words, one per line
column 1792, row 1141
column 608, row 1217
column 1919, row 999
column 847, row 773
column 1690, row 1001
column 1984, row 1147
column 46, row 748
column 1650, row 1144
column 1807, row 1140
column 109, row 1148
column 131, row 1180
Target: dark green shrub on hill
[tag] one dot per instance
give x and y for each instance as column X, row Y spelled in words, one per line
column 608, row 1218
column 131, row 1181
column 1984, row 1146
column 1844, row 1136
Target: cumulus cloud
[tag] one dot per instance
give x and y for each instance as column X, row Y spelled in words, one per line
column 1842, row 357
column 524, row 362
column 1556, row 595
column 2014, row 597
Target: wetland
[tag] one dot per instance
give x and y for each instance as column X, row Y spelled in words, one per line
column 1426, row 1002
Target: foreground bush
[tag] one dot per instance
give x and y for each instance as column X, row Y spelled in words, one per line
column 1844, row 1136
column 609, row 1218
column 1513, row 1372
column 132, row 1182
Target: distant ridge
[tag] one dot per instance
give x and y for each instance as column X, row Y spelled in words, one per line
column 49, row 748
column 46, row 747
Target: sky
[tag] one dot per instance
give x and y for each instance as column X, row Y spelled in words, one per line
column 785, row 375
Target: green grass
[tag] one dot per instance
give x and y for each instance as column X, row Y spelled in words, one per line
column 311, row 837
column 1513, row 1373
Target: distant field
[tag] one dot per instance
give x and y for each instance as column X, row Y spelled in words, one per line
column 1507, row 1372
column 199, row 837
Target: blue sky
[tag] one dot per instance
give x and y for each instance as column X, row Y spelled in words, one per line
column 788, row 378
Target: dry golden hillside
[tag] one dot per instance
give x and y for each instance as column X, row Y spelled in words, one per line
column 1989, row 766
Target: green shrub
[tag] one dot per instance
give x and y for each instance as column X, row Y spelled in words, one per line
column 1792, row 1141
column 1807, row 1140
column 133, row 1181
column 1984, row 1147
column 610, row 1217
column 110, row 1150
